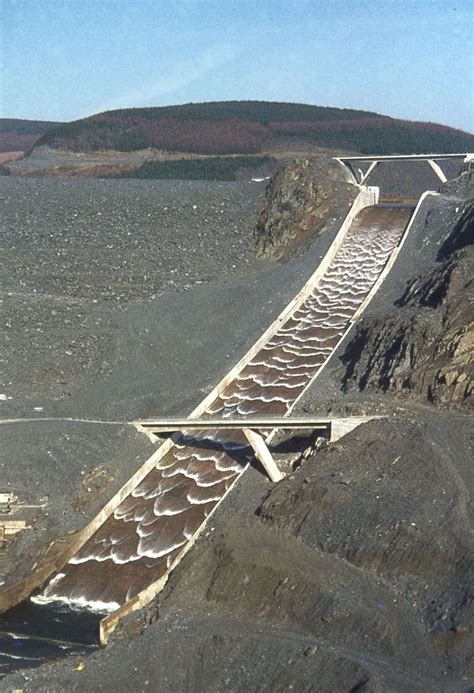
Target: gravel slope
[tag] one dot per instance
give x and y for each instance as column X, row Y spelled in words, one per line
column 73, row 252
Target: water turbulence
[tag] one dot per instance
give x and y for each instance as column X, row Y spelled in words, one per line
column 31, row 634
column 141, row 540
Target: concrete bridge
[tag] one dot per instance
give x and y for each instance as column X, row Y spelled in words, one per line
column 352, row 163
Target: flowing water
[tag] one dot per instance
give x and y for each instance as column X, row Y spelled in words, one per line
column 31, row 634
column 139, row 542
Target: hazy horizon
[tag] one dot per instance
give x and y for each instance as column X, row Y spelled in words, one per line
column 63, row 60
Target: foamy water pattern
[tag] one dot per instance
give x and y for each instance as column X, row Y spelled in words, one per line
column 139, row 543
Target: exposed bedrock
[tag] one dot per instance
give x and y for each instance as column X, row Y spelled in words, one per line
column 424, row 347
column 462, row 185
column 299, row 201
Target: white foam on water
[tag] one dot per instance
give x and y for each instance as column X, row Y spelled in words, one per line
column 77, row 603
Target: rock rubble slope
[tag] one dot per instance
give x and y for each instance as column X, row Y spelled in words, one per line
column 87, row 337
column 140, row 541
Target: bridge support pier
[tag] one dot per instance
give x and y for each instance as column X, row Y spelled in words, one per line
column 437, row 169
column 368, row 172
column 263, row 454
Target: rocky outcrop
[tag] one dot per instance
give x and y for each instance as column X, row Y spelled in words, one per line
column 301, row 198
column 463, row 185
column 424, row 348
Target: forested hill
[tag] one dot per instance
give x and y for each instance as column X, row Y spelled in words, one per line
column 250, row 127
column 20, row 135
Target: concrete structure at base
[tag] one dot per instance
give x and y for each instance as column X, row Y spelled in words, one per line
column 358, row 177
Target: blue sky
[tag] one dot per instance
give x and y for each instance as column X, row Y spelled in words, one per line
column 65, row 59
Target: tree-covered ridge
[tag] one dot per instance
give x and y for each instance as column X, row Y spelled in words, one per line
column 20, row 135
column 252, row 127
column 213, row 168
column 257, row 111
column 27, row 127
column 395, row 137
column 128, row 134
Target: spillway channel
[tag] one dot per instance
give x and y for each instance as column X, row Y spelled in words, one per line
column 139, row 542
column 142, row 539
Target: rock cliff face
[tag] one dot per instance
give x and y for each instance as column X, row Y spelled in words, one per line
column 424, row 348
column 299, row 201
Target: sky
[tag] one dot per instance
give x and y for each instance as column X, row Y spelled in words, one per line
column 66, row 59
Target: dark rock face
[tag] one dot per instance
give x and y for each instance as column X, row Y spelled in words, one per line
column 424, row 348
column 462, row 185
column 463, row 232
column 299, row 201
